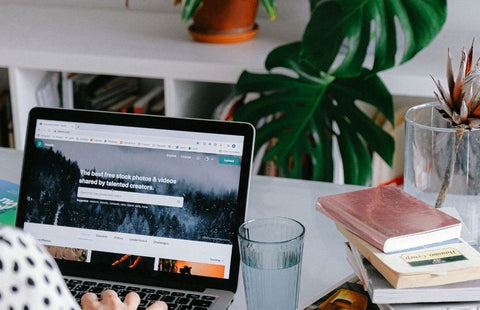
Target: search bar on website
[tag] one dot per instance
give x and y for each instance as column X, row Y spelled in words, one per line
column 122, row 196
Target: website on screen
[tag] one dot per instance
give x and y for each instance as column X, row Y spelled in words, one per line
column 125, row 197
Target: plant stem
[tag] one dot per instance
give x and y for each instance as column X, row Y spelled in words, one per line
column 447, row 178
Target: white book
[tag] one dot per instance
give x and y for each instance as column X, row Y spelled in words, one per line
column 47, row 92
column 431, row 265
column 352, row 261
column 67, row 90
column 432, row 306
column 381, row 292
column 142, row 104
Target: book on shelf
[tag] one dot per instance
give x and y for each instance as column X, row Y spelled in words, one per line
column 83, row 86
column 67, row 89
column 158, row 107
column 47, row 93
column 447, row 262
column 143, row 104
column 389, row 218
column 98, row 92
column 225, row 110
column 112, row 92
column 8, row 202
column 124, row 106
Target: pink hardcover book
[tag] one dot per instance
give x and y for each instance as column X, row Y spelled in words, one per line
column 389, row 218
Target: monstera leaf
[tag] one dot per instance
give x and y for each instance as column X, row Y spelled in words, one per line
column 308, row 110
column 309, row 103
column 355, row 23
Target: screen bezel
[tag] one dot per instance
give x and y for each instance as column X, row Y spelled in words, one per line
column 155, row 122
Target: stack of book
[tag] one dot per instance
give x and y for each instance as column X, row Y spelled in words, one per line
column 111, row 93
column 407, row 254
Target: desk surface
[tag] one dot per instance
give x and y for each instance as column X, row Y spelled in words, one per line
column 324, row 261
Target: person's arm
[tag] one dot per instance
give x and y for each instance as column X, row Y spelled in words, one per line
column 29, row 276
column 30, row 279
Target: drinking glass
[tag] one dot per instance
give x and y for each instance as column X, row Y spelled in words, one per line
column 271, row 251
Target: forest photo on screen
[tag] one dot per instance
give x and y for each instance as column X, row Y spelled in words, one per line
column 209, row 190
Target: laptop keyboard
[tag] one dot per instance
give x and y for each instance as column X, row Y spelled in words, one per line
column 175, row 300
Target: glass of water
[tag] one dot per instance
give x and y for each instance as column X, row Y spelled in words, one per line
column 271, row 251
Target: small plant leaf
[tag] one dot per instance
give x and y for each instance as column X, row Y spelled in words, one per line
column 189, row 9
column 270, row 8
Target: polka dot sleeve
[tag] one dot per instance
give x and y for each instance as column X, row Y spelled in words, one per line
column 29, row 277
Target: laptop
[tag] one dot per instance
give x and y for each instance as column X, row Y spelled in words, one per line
column 138, row 203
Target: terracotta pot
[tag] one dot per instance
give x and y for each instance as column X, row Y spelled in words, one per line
column 225, row 21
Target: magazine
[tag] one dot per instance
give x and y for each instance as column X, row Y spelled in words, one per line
column 8, row 202
column 349, row 295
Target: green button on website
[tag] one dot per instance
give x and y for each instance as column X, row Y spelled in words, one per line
column 229, row 160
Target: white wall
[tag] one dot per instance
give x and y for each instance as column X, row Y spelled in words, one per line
column 287, row 9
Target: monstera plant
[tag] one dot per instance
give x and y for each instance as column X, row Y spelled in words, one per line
column 314, row 97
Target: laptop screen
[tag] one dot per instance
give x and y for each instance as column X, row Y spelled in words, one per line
column 134, row 198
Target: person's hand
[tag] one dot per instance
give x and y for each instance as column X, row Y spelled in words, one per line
column 110, row 301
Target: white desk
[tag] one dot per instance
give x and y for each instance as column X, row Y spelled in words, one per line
column 324, row 261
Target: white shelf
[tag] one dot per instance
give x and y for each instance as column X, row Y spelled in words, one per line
column 35, row 39
column 126, row 42
column 153, row 44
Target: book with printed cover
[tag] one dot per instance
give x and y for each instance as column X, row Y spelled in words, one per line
column 386, row 296
column 347, row 294
column 8, row 202
column 389, row 218
column 452, row 261
column 472, row 305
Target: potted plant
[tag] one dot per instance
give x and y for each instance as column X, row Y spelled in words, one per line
column 224, row 21
column 311, row 102
column 460, row 106
column 442, row 143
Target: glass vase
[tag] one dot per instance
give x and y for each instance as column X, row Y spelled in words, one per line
column 431, row 159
